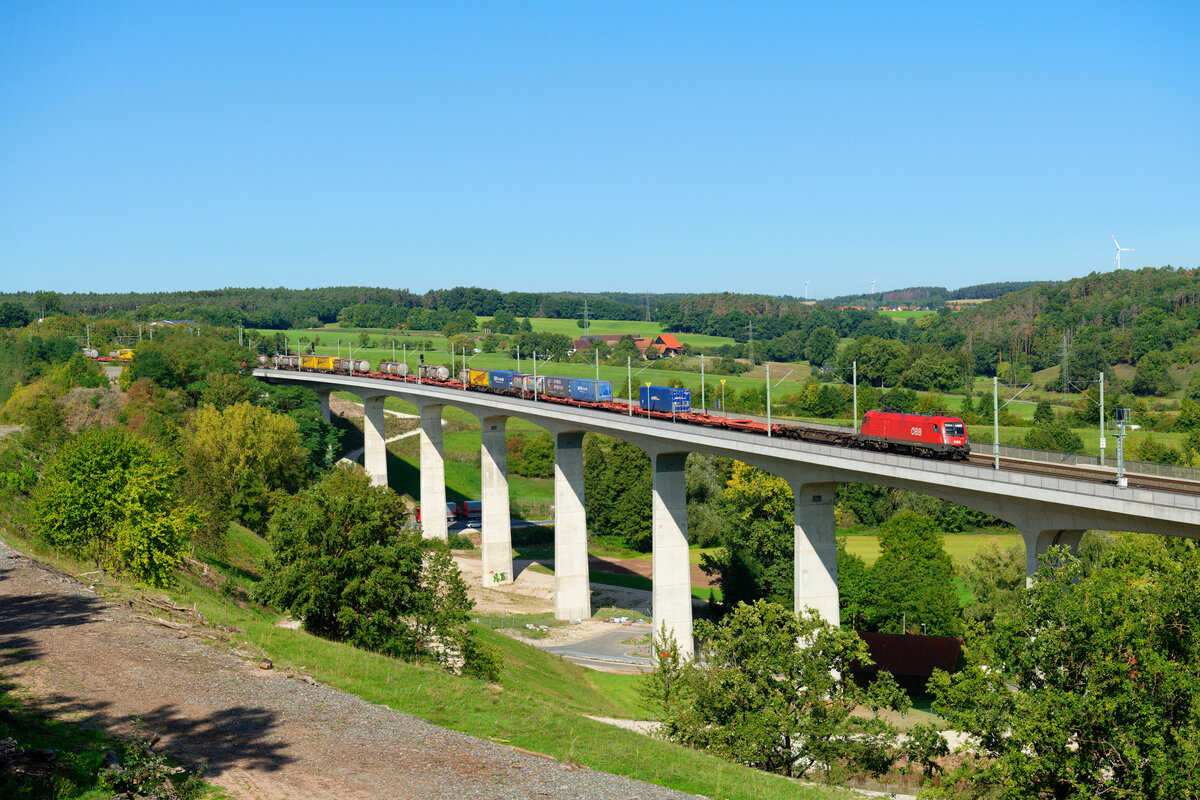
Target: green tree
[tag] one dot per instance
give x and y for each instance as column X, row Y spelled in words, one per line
column 1044, row 413
column 880, row 361
column 1189, row 415
column 1153, row 376
column 625, row 348
column 997, row 579
column 341, row 561
column 14, row 315
column 224, row 389
column 1088, row 688
column 705, row 477
column 757, row 536
column 617, row 490
column 913, row 579
column 247, row 454
column 319, row 437
column 663, row 689
column 152, row 364
column 531, row 456
column 758, row 697
column 47, row 302
column 932, row 372
column 460, row 343
column 1193, row 387
column 855, row 588
column 1088, row 360
column 35, row 406
column 900, row 400
column 177, row 360
column 504, row 322
column 109, row 496
column 1056, row 435
column 821, row 346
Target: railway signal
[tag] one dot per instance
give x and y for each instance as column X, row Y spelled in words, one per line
column 1122, row 416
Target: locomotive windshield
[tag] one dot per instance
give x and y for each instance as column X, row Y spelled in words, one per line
column 955, row 429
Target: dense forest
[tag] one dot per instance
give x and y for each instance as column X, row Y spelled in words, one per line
column 931, row 296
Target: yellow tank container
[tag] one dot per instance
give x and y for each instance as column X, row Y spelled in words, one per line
column 319, row 363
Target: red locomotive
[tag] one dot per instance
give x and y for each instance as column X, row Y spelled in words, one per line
column 914, row 434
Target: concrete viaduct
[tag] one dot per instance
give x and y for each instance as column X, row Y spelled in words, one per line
column 1046, row 510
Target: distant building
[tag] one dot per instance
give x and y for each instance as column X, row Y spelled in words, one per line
column 666, row 344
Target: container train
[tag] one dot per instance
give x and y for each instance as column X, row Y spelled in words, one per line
column 925, row 435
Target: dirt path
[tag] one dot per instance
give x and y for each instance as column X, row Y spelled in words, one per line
column 265, row 735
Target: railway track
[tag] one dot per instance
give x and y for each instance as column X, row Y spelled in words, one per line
column 1087, row 473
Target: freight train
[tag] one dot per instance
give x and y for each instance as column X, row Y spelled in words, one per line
column 925, row 435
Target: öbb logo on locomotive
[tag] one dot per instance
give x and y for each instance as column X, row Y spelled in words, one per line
column 928, row 435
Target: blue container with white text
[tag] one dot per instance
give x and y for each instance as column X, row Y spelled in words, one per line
column 591, row 391
column 666, row 399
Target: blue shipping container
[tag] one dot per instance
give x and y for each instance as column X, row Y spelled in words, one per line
column 591, row 391
column 665, row 399
column 558, row 387
column 501, row 378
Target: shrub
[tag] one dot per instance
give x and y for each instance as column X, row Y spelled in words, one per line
column 110, row 496
column 341, row 561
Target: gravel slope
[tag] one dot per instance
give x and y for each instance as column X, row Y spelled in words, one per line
column 263, row 734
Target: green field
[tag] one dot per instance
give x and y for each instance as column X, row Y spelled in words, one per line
column 901, row 315
column 959, row 546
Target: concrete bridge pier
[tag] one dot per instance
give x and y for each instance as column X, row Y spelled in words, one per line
column 672, row 589
column 572, row 595
column 816, row 579
column 497, row 525
column 374, row 448
column 1039, row 541
column 433, row 473
column 323, row 399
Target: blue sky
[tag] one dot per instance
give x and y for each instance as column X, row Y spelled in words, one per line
column 604, row 146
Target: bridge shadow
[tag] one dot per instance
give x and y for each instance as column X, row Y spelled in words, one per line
column 352, row 437
column 612, row 567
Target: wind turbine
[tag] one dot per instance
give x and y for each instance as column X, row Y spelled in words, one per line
column 1117, row 260
column 873, row 285
column 806, row 283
